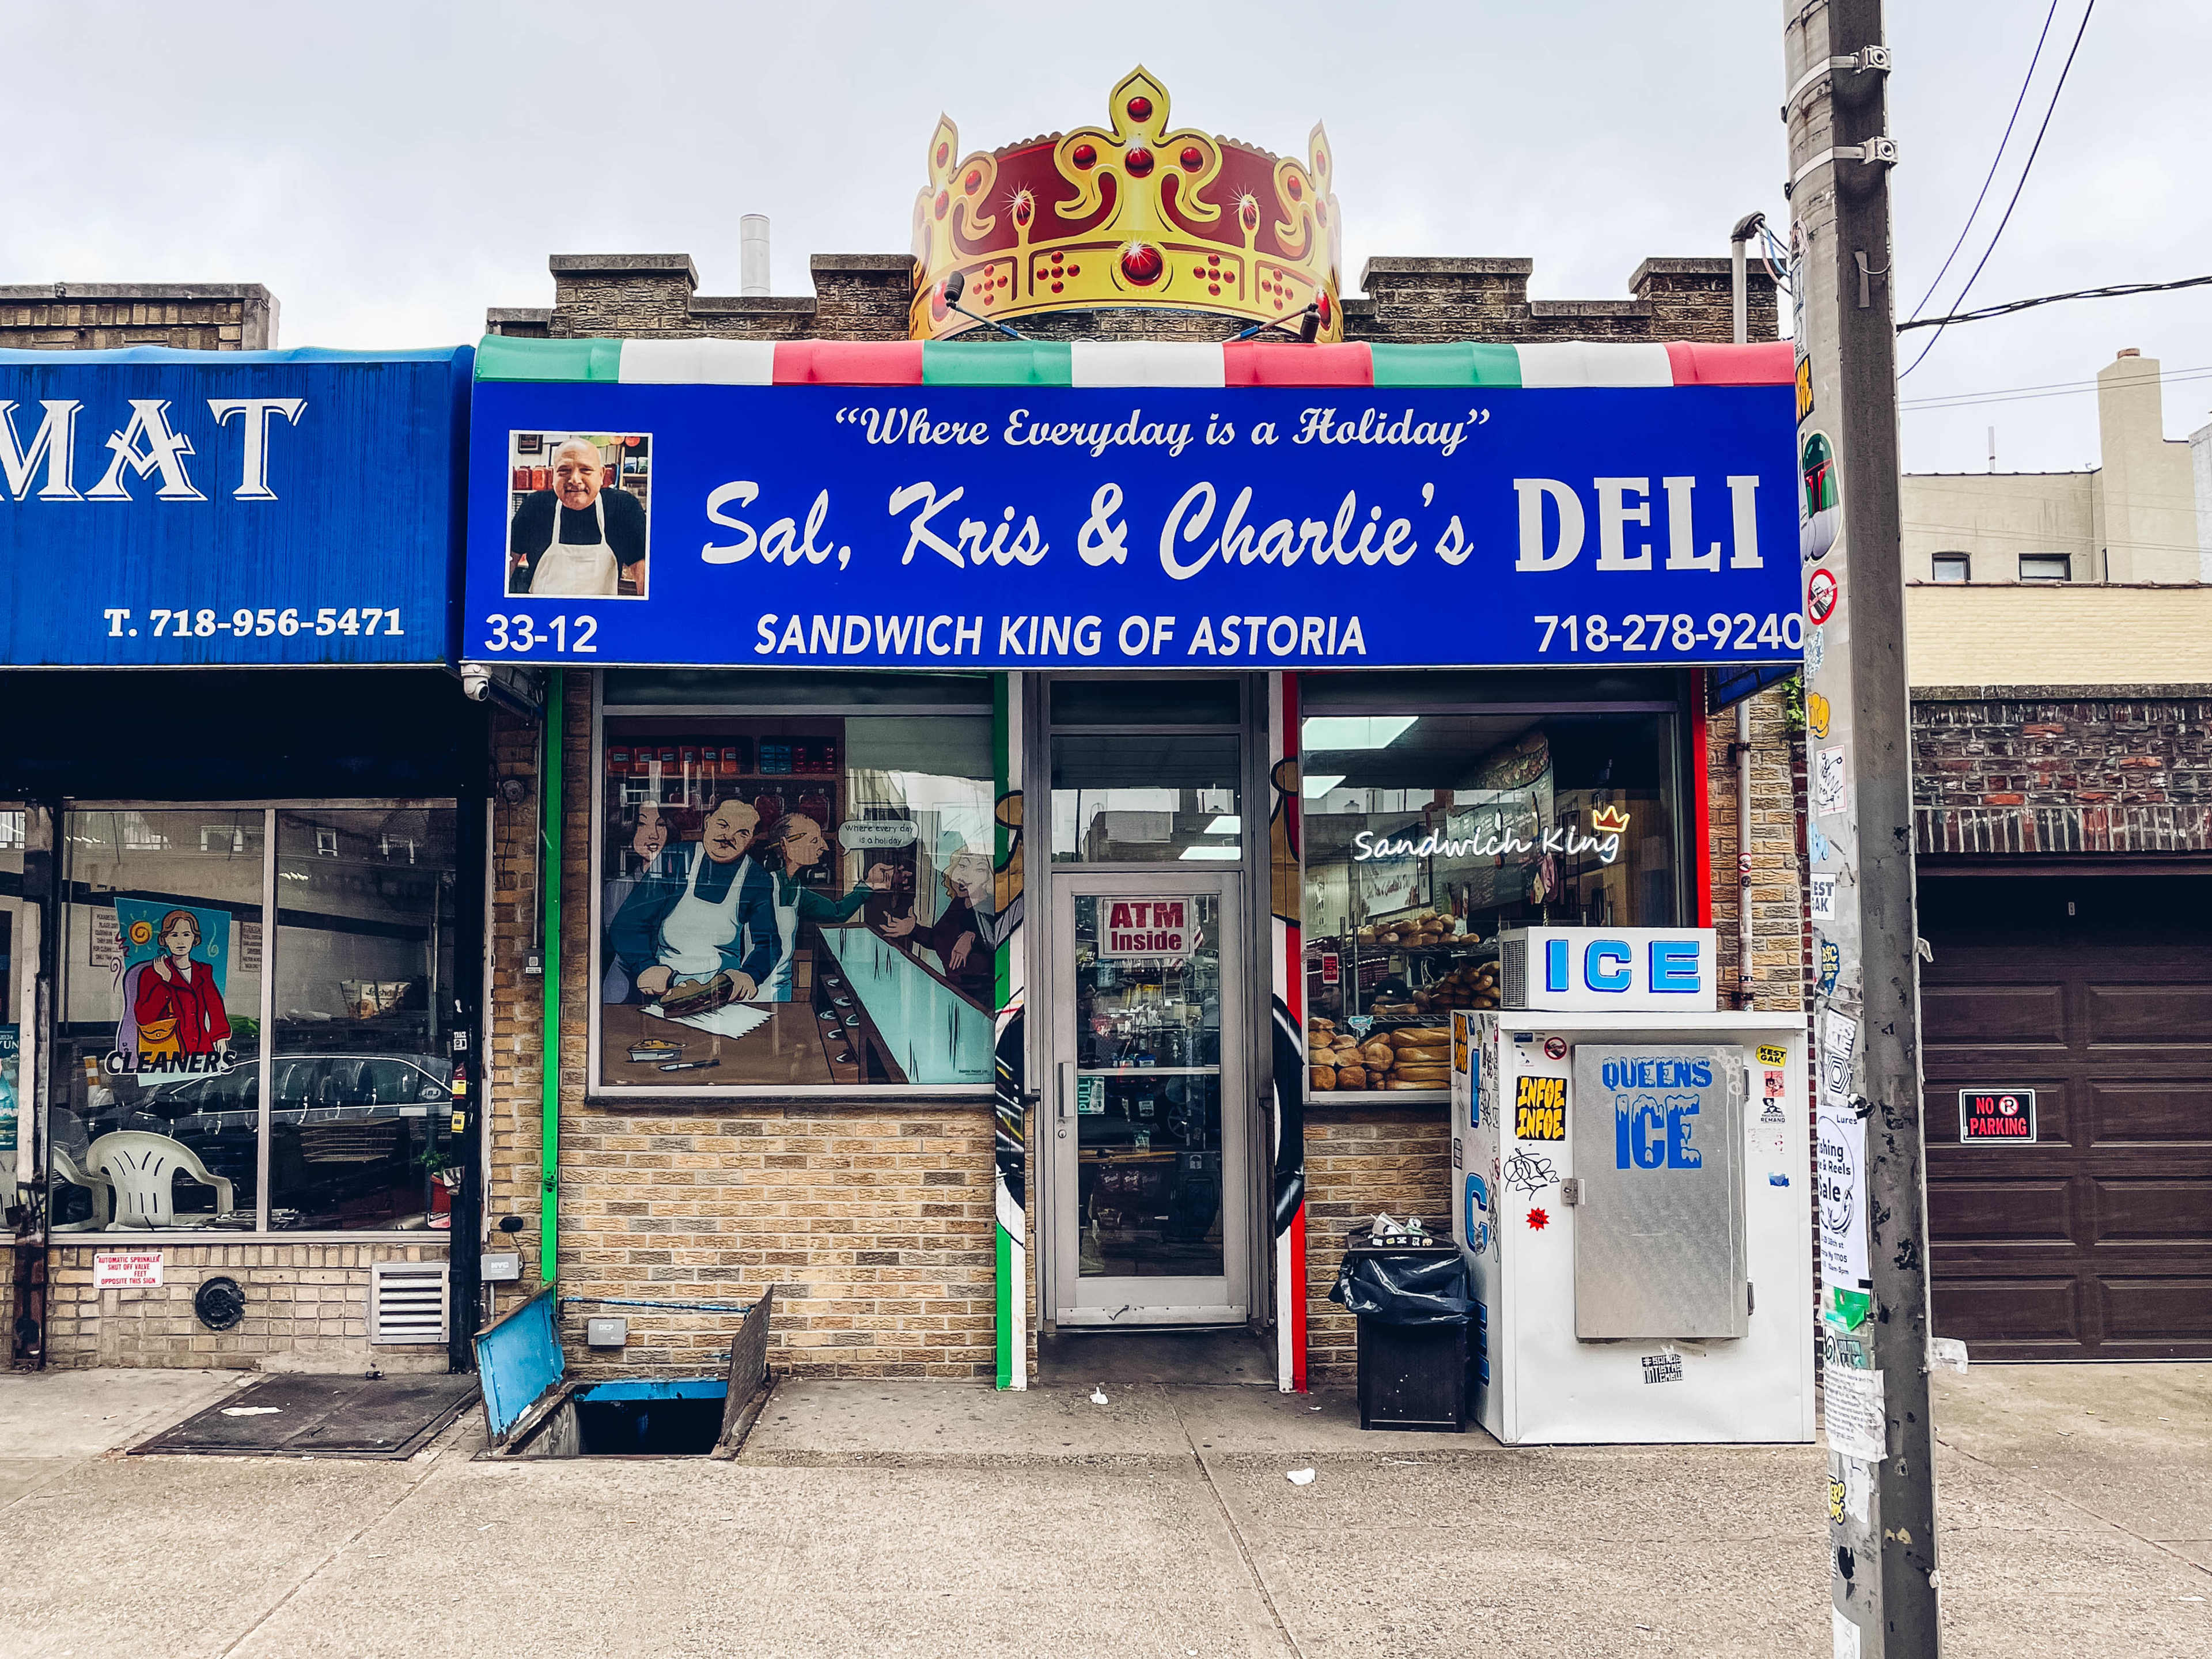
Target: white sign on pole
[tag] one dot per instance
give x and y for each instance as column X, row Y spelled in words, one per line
column 1137, row 927
column 1853, row 1406
column 127, row 1270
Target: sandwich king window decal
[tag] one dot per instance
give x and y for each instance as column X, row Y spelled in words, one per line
column 924, row 504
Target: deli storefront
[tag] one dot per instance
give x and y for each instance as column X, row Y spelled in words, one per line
column 1024, row 813
column 242, row 859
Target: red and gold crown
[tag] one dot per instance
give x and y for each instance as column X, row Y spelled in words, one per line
column 1134, row 215
column 1610, row 821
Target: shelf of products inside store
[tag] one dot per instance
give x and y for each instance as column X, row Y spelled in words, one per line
column 629, row 466
column 1400, row 1042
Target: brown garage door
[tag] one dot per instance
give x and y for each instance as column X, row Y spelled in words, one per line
column 2096, row 1241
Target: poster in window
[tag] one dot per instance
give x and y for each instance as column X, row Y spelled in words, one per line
column 175, row 965
column 809, row 902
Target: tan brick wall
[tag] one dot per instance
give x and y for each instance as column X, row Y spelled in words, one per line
column 1359, row 1160
column 104, row 316
column 873, row 1217
column 1776, row 867
column 307, row 1309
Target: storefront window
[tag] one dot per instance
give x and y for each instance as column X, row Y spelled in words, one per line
column 158, row 1114
column 798, row 900
column 1132, row 798
column 1426, row 835
column 359, row 1115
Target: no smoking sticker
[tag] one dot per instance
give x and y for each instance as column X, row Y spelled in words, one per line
column 1820, row 596
column 1555, row 1047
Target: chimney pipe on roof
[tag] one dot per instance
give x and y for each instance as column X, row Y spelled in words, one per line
column 752, row 257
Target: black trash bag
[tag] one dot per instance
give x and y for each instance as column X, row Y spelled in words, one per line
column 1404, row 1290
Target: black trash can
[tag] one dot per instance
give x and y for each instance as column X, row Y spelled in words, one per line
column 1414, row 1310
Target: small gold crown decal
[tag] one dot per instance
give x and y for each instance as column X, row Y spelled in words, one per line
column 1132, row 213
column 1610, row 821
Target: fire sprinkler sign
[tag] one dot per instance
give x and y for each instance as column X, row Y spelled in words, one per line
column 1148, row 927
column 127, row 1270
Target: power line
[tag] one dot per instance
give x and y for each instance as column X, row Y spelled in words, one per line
column 2026, row 168
column 2116, row 290
column 2026, row 81
column 2049, row 385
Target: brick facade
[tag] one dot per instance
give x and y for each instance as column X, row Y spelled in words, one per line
column 706, row 1199
column 2048, row 769
column 307, row 1311
column 104, row 316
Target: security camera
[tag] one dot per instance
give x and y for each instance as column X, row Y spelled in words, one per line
column 476, row 683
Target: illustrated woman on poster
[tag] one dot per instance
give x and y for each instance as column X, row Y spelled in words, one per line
column 178, row 1005
column 797, row 843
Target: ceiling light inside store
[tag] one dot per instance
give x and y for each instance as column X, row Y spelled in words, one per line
column 1356, row 731
column 1316, row 787
column 1225, row 825
column 1212, row 853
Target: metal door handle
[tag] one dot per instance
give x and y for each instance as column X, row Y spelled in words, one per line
column 1067, row 1082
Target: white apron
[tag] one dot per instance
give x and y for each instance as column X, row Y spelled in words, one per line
column 694, row 934
column 583, row 570
column 778, row 986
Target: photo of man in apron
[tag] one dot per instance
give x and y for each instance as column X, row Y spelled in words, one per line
column 580, row 540
column 704, row 907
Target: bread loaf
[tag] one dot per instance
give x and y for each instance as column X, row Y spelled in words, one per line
column 1351, row 1076
column 1424, row 1077
column 1418, row 1037
column 1321, row 1077
column 1376, row 1055
column 1423, row 1057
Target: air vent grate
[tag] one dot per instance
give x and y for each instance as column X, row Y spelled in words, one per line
column 1513, row 970
column 407, row 1302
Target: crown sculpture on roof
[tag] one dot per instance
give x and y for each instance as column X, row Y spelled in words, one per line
column 1132, row 215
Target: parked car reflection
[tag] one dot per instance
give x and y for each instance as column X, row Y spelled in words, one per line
column 355, row 1141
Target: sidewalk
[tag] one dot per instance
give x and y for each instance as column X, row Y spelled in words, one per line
column 922, row 1519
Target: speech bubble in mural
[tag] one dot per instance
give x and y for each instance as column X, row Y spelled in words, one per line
column 873, row 835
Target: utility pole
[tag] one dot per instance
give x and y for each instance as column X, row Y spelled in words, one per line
column 1871, row 1188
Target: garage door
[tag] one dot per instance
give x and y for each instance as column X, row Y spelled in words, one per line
column 2095, row 1242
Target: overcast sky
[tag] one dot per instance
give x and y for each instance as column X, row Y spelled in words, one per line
column 392, row 170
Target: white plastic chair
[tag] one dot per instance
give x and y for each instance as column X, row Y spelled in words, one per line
column 140, row 1166
column 65, row 1173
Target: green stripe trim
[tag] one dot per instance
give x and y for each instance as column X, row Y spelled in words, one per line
column 504, row 357
column 1459, row 364
column 1007, row 1294
column 1012, row 362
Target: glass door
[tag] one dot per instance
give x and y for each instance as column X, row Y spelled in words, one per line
column 1145, row 1099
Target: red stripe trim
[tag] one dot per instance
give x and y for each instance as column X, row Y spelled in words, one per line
column 1772, row 362
column 1250, row 364
column 1701, row 784
column 848, row 362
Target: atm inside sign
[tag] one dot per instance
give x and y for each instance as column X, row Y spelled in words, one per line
column 1997, row 1115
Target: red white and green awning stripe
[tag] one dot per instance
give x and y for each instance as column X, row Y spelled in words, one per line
column 1130, row 363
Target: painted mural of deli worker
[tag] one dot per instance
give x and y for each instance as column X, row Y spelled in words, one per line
column 708, row 907
column 178, row 1009
column 580, row 538
column 797, row 843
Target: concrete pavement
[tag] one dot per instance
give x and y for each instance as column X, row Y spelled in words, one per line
column 922, row 1519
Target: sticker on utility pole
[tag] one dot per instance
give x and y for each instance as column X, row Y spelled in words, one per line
column 1853, row 1412
column 1824, row 895
column 1828, row 783
column 1816, row 714
column 1844, row 1633
column 1820, row 596
column 1138, row 927
column 127, row 1270
column 2006, row 1114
